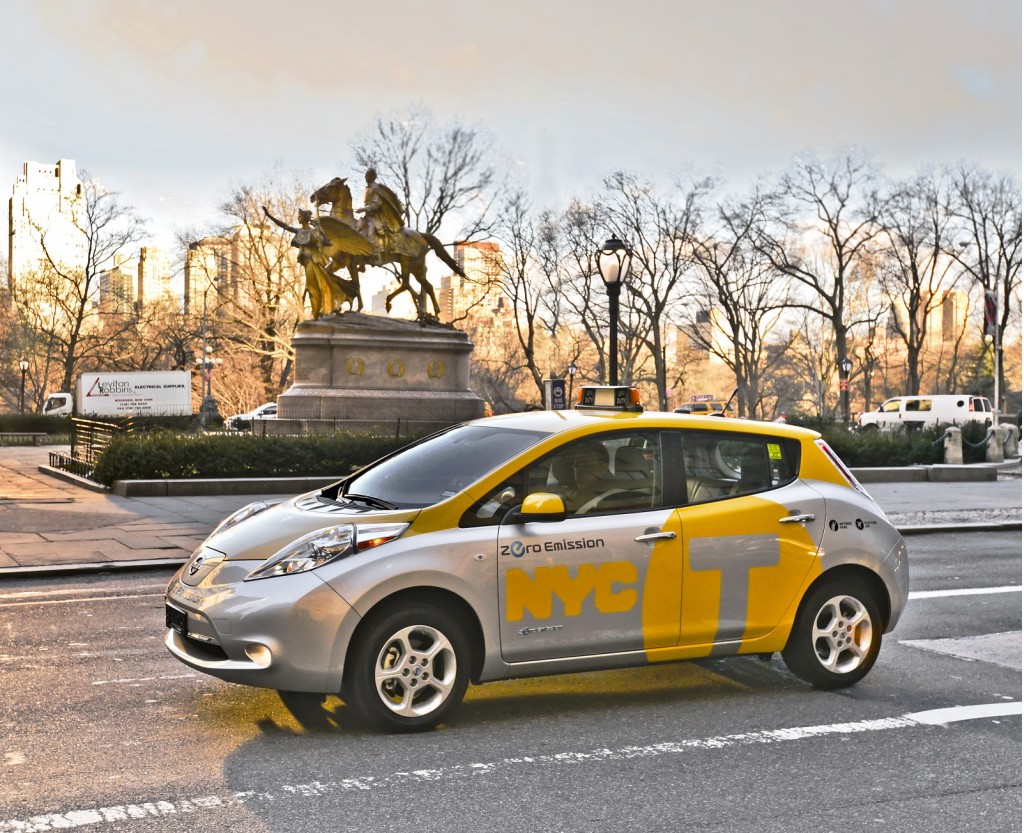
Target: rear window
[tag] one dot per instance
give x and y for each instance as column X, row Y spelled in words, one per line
column 719, row 465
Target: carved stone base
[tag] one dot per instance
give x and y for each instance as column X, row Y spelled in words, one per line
column 368, row 373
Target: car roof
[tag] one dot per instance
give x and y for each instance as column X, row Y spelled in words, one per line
column 579, row 421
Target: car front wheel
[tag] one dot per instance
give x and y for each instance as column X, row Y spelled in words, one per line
column 836, row 635
column 409, row 670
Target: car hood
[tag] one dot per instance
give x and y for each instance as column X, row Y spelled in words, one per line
column 261, row 536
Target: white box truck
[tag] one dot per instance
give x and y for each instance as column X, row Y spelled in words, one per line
column 921, row 411
column 118, row 394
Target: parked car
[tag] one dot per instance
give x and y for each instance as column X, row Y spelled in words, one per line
column 541, row 543
column 242, row 422
column 923, row 411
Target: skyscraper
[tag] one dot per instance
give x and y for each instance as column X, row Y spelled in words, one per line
column 41, row 225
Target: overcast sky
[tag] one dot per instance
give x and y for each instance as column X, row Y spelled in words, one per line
column 171, row 102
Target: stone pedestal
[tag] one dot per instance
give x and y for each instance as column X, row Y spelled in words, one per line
column 368, row 373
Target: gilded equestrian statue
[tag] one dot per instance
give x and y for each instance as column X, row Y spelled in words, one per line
column 381, row 228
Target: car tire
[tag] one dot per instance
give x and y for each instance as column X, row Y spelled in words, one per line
column 409, row 669
column 836, row 634
column 871, row 426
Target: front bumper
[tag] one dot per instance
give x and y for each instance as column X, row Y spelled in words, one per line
column 287, row 633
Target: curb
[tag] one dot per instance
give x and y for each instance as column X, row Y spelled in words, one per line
column 47, row 570
column 74, row 479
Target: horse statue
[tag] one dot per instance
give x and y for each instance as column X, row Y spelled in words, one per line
column 390, row 242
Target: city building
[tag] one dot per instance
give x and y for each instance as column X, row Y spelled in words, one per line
column 155, row 277
column 480, row 291
column 117, row 286
column 41, row 214
column 209, row 263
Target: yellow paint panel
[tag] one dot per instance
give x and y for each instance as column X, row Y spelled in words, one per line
column 662, row 589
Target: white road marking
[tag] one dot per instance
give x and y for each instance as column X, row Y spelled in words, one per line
column 14, row 758
column 942, row 717
column 963, row 591
column 69, row 819
column 135, row 680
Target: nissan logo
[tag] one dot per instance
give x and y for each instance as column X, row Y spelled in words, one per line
column 196, row 565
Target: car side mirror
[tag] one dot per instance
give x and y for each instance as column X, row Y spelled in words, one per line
column 538, row 508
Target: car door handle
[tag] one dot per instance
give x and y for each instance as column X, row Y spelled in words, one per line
column 655, row 536
column 796, row 519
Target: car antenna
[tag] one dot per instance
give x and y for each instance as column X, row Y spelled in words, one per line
column 731, row 398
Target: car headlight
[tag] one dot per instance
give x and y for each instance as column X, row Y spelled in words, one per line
column 324, row 546
column 243, row 514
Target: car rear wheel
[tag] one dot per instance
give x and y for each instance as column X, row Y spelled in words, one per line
column 836, row 635
column 409, row 670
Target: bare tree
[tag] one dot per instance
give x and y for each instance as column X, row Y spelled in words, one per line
column 581, row 296
column 58, row 305
column 519, row 236
column 987, row 208
column 817, row 231
column 745, row 299
column 660, row 229
column 916, row 273
column 444, row 175
column 253, row 287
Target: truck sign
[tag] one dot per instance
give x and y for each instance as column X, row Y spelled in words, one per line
column 116, row 394
column 153, row 393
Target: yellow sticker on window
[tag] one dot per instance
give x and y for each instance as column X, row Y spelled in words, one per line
column 774, row 451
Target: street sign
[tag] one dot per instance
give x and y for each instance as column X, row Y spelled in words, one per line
column 554, row 395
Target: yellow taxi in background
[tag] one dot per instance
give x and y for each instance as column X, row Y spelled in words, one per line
column 720, row 409
column 545, row 543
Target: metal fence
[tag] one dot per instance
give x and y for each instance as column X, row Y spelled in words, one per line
column 88, row 439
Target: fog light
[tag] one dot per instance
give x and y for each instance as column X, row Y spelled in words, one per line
column 260, row 654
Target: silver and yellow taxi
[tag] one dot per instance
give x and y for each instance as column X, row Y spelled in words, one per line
column 545, row 543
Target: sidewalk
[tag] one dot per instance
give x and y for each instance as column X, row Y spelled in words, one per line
column 48, row 525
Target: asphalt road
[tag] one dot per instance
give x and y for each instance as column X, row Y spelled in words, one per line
column 101, row 730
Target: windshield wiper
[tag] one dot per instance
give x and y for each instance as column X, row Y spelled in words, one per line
column 375, row 502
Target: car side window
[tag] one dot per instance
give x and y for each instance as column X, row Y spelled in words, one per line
column 721, row 465
column 890, row 407
column 609, row 473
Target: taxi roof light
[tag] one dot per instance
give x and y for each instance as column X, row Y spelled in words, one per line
column 609, row 398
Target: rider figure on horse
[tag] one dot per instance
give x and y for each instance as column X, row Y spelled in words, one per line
column 383, row 214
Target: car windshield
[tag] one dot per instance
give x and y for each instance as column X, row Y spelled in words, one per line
column 441, row 466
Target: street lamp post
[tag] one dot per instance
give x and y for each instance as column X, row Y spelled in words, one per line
column 845, row 366
column 571, row 370
column 23, row 365
column 613, row 259
column 208, row 406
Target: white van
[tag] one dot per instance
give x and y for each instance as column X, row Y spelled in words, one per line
column 921, row 411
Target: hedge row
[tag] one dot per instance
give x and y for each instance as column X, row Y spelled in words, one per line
column 899, row 447
column 35, row 423
column 165, row 454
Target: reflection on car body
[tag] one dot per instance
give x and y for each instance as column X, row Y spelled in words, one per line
column 544, row 543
